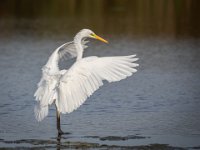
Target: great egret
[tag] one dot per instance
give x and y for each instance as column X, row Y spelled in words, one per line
column 68, row 89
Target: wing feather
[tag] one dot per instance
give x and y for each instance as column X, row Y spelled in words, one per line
column 46, row 93
column 87, row 75
column 68, row 50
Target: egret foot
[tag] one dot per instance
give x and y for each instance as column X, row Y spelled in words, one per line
column 60, row 132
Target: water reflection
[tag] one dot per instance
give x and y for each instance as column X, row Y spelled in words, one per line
column 59, row 136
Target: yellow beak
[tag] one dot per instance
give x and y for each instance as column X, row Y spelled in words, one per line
column 99, row 38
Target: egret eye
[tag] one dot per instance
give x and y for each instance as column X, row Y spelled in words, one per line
column 92, row 35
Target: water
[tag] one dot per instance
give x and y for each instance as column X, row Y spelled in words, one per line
column 158, row 105
column 160, row 102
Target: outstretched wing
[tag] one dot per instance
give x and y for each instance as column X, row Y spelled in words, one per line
column 45, row 93
column 87, row 75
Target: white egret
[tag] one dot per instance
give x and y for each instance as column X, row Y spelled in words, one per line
column 68, row 89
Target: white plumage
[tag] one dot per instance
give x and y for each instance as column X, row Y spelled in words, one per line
column 70, row 88
column 86, row 76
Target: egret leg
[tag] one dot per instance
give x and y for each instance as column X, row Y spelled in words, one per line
column 58, row 141
column 58, row 122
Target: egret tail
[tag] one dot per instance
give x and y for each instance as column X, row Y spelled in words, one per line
column 40, row 112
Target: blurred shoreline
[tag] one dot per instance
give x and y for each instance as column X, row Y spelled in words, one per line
column 174, row 18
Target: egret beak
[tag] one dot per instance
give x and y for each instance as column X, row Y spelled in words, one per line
column 99, row 38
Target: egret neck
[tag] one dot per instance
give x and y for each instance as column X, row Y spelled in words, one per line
column 79, row 47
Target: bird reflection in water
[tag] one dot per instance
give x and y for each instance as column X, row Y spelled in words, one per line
column 58, row 141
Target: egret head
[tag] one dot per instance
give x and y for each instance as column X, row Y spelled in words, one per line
column 87, row 33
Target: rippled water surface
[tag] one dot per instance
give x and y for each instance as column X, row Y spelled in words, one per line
column 160, row 102
column 157, row 105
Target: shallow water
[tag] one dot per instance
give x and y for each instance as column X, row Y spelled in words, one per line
column 159, row 104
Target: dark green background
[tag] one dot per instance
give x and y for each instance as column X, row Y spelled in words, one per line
column 174, row 18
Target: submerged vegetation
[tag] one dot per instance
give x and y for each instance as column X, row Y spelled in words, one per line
column 43, row 144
